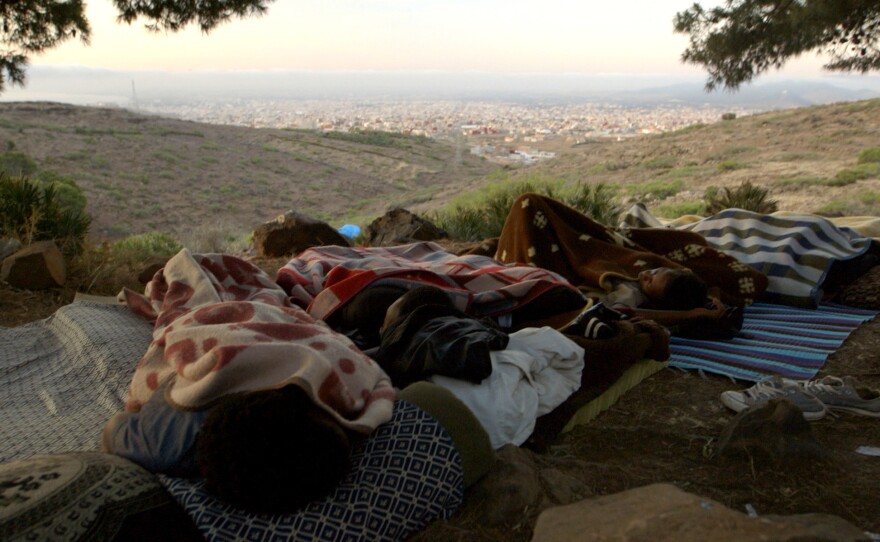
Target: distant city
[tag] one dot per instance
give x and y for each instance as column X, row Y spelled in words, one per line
column 502, row 117
column 502, row 132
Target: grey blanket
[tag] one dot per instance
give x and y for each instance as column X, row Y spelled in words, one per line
column 63, row 377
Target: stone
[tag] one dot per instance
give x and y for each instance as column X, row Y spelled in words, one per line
column 778, row 429
column 661, row 512
column 294, row 232
column 38, row 266
column 510, row 488
column 8, row 246
column 399, row 226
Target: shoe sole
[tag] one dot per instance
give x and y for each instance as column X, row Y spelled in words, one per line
column 854, row 410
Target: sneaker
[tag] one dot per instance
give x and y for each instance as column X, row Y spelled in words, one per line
column 772, row 388
column 844, row 394
column 591, row 324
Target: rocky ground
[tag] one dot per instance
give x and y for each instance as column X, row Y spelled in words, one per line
column 667, row 429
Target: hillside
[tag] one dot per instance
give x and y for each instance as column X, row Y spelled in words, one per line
column 797, row 154
column 142, row 173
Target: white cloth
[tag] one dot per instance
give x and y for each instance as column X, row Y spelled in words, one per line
column 539, row 369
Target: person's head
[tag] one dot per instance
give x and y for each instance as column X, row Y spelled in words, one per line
column 674, row 289
column 413, row 299
column 271, row 451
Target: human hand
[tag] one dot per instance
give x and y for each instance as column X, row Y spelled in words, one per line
column 714, row 311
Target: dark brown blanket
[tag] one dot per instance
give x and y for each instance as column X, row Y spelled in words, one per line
column 545, row 233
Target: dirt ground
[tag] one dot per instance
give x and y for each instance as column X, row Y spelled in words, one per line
column 665, row 430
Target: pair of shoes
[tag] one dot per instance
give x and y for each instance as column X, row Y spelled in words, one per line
column 772, row 388
column 845, row 394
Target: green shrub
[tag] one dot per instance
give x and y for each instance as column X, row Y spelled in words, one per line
column 865, row 170
column 747, row 196
column 482, row 216
column 730, row 165
column 807, row 181
column 32, row 212
column 660, row 162
column 656, row 190
column 136, row 249
column 17, row 164
column 675, row 210
column 728, row 116
column 377, row 138
column 871, row 155
column 70, row 195
column 866, row 204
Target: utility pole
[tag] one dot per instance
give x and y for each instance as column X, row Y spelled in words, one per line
column 134, row 97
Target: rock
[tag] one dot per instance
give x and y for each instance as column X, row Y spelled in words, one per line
column 663, row 512
column 777, row 428
column 293, row 232
column 399, row 226
column 8, row 246
column 509, row 489
column 36, row 267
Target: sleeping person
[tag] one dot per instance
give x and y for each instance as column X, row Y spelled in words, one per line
column 506, row 381
column 240, row 387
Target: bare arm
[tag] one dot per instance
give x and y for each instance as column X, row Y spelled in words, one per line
column 672, row 317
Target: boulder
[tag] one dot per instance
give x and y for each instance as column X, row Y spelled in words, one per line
column 293, row 232
column 399, row 226
column 8, row 246
column 778, row 429
column 522, row 482
column 663, row 512
column 36, row 267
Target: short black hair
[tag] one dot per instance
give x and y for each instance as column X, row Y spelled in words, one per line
column 271, row 451
column 685, row 291
column 423, row 295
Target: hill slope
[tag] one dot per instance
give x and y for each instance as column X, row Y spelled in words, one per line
column 143, row 173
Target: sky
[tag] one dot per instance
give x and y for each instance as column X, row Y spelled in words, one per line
column 494, row 36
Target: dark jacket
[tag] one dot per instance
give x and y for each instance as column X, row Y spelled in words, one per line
column 437, row 340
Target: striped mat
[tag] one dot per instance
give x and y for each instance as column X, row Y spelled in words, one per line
column 775, row 340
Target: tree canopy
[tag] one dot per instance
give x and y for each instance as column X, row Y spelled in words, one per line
column 745, row 38
column 33, row 26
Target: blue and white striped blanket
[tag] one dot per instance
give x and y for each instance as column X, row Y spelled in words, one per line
column 795, row 252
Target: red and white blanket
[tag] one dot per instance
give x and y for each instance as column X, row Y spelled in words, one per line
column 323, row 279
column 222, row 326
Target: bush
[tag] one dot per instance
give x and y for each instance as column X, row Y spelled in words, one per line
column 728, row 116
column 747, row 196
column 865, row 170
column 730, row 165
column 656, row 189
column 16, row 164
column 870, row 155
column 30, row 212
column 660, row 162
column 136, row 249
column 675, row 210
column 483, row 216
